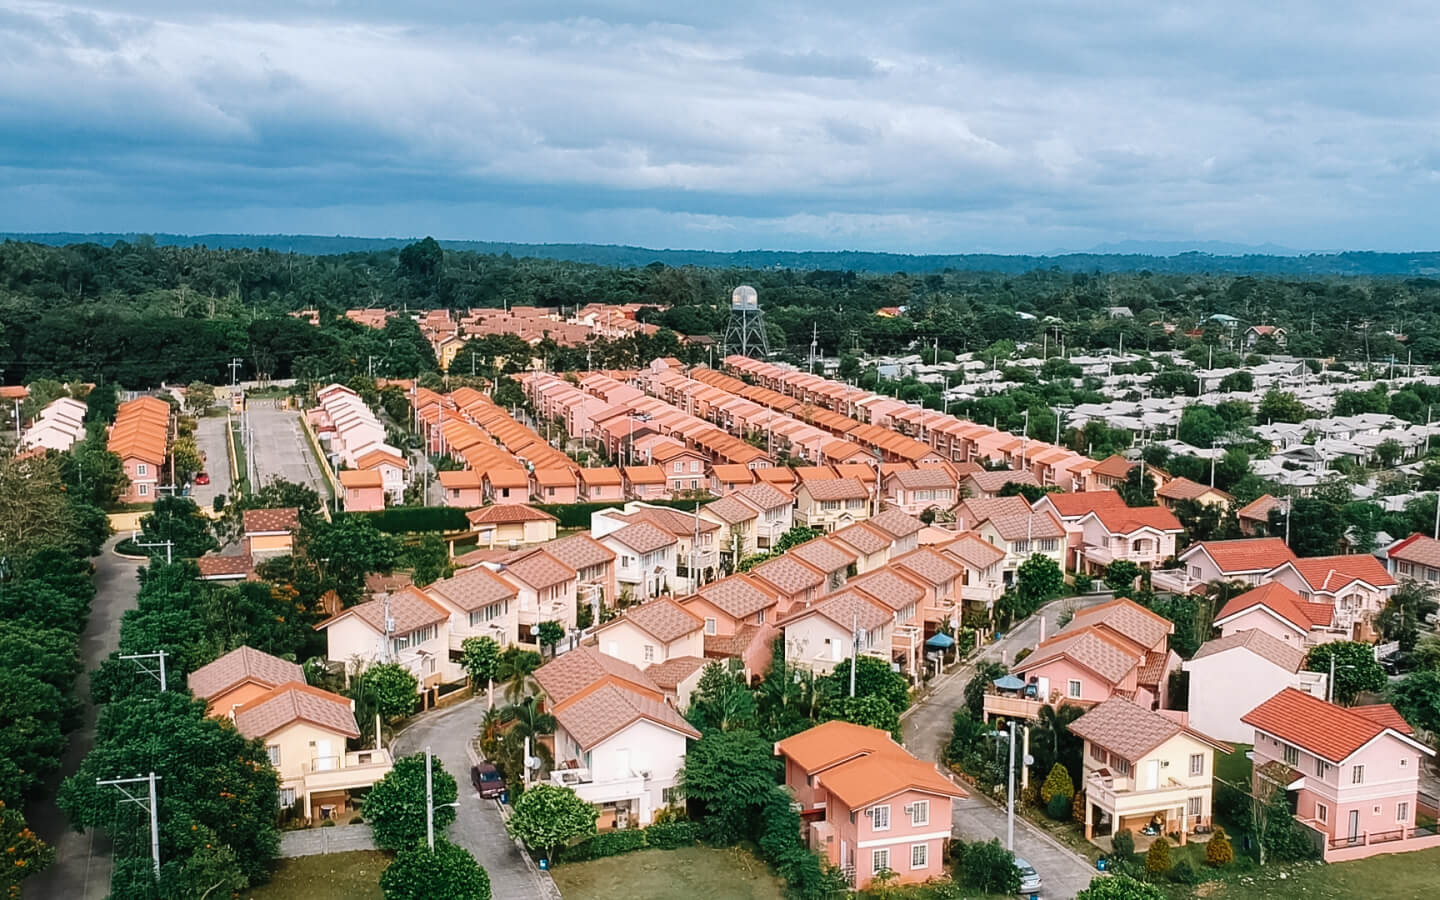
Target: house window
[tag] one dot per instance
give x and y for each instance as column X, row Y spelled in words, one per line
column 1073, row 688
column 1322, row 768
column 880, row 860
column 709, row 625
column 1097, row 753
column 287, row 796
column 920, row 813
column 1357, row 775
column 1322, row 813
column 142, row 469
column 649, row 652
column 919, row 856
column 671, row 795
column 144, row 490
column 273, row 751
column 679, row 467
column 1121, row 766
column 1197, row 764
column 1194, row 806
column 760, row 617
column 1292, row 755
column 880, row 821
column 549, row 492
column 1402, row 811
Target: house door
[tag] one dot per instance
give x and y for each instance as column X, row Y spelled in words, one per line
column 1150, row 775
column 1354, row 825
column 324, row 760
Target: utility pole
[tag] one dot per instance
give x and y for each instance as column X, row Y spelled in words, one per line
column 429, row 804
column 855, row 649
column 234, row 370
column 1010, row 791
column 141, row 660
column 150, row 805
column 168, row 545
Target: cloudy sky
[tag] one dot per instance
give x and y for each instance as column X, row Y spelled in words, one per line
column 930, row 127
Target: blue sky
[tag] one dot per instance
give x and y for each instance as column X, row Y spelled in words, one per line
column 929, row 127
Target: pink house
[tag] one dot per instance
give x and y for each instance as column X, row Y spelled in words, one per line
column 1351, row 774
column 461, row 487
column 868, row 805
column 364, row 490
column 554, row 485
column 738, row 615
column 1281, row 613
column 597, row 485
column 913, row 491
column 645, row 483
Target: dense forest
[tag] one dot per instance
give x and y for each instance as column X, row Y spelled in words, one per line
column 141, row 313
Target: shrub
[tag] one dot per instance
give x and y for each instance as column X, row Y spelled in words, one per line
column 1057, row 782
column 1059, row 807
column 1157, row 859
column 1124, row 843
column 670, row 835
column 1077, row 809
column 1184, row 873
column 1219, row 852
column 408, row 519
column 1084, row 583
column 599, row 846
column 988, row 867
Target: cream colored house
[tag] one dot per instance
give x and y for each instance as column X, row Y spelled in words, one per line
column 820, row 636
column 831, row 503
column 481, row 604
column 652, row 633
column 1144, row 768
column 544, row 590
column 304, row 730
column 512, row 525
column 417, row 636
column 270, row 532
column 239, row 677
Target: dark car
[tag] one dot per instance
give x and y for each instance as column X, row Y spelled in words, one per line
column 487, row 780
column 202, row 478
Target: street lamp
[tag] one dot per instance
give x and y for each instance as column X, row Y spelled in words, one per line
column 1330, row 685
column 430, row 806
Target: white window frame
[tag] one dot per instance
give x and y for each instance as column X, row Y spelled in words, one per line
column 142, row 470
column 1402, row 811
column 272, row 752
column 1197, row 764
column 287, row 797
column 1357, row 774
column 920, row 812
column 144, row 490
column 1322, row 812
column 1073, row 688
column 649, row 653
column 877, row 815
column 1291, row 755
column 924, row 852
column 880, row 860
column 710, row 625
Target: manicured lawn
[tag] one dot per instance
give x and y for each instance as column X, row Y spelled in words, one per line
column 334, row 876
column 1234, row 767
column 697, row 872
column 1400, row 876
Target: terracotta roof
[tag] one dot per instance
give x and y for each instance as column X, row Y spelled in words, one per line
column 765, row 496
column 1113, row 466
column 668, row 674
column 1072, row 506
column 896, row 523
column 1153, row 669
column 1328, row 574
column 595, row 716
column 1028, row 525
column 737, row 596
column 836, row 489
column 974, row 551
column 240, row 665
column 730, row 510
column 508, row 477
column 1185, row 489
column 889, row 587
column 215, row 565
column 507, row 514
column 728, row 646
column 825, row 554
column 930, row 566
column 1130, row 519
column 1130, row 730
column 1127, row 619
column 812, row 474
column 473, row 589
column 1284, row 603
column 554, row 477
column 454, row 479
column 1384, row 714
column 846, row 608
column 825, row 745
column 260, row 521
column 580, row 551
column 644, row 474
column 663, row 619
column 360, row 478
column 1324, row 729
column 929, row 478
column 378, row 457
column 992, row 480
column 1417, row 548
column 572, row 672
column 409, row 609
column 288, row 703
column 775, row 475
column 601, row 477
column 1246, row 555
column 1259, row 643
column 863, row 537
column 875, row 776
column 538, row 569
column 642, row 537
column 1259, row 508
column 1107, row 655
column 789, row 575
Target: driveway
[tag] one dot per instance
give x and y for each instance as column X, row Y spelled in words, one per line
column 927, row 729
column 278, row 447
column 82, row 861
column 210, row 438
column 478, row 825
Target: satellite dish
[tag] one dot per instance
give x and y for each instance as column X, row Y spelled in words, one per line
column 532, row 762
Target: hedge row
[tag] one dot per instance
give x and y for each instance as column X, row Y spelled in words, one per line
column 577, row 515
column 666, row 836
column 412, row 519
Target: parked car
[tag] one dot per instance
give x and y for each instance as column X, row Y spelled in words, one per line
column 1029, row 879
column 202, row 478
column 487, row 780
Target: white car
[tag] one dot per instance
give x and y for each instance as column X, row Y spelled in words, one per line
column 1029, row 878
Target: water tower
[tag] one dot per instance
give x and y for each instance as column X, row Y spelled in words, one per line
column 745, row 333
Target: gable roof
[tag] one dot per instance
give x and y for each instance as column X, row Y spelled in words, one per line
column 360, row 478
column 825, row 554
column 1185, row 489
column 738, row 596
column 1258, row 642
column 1259, row 508
column 875, row 776
column 1106, row 654
column 1417, row 548
column 409, row 610
column 1244, row 555
column 1327, row 574
column 592, row 717
column 991, row 480
column 580, row 551
column 730, row 510
column 284, row 519
column 538, row 569
column 789, row 574
column 570, row 673
column 847, row 609
column 1131, row 730
column 1130, row 519
column 1072, row 506
column 1328, row 731
column 240, row 665
column 507, row 514
column 929, row 566
column 1127, row 619
column 668, row 674
column 973, row 550
column 295, row 702
column 1281, row 602
column 472, row 589
column 835, row 489
column 863, row 537
column 828, row 743
column 662, row 618
column 892, row 588
column 895, row 523
column 928, row 478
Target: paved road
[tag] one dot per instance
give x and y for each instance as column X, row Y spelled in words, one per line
column 210, row 438
column 82, row 861
column 279, row 448
column 927, row 730
column 478, row 826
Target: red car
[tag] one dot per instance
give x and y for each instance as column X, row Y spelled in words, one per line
column 202, row 478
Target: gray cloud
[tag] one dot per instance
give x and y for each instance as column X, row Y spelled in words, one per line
column 928, row 126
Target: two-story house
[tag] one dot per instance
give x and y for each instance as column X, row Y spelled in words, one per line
column 820, row 635
column 405, row 626
column 617, row 743
column 941, row 576
column 1145, row 769
column 594, row 565
column 833, row 558
column 481, row 604
column 1178, row 490
column 1246, row 559
column 1070, row 509
column 1279, row 612
column 903, row 530
column 870, row 806
column 982, row 582
column 988, row 483
column 698, row 540
column 871, row 545
column 1415, row 558
column 239, row 677
column 1356, row 586
column 795, row 581
column 738, row 615
column 736, row 521
column 1144, row 535
column 684, row 468
column 644, row 559
column 1015, row 528
column 545, row 590
column 1352, row 774
column 652, row 633
column 775, row 512
column 1231, row 675
column 831, row 504
column 912, row 491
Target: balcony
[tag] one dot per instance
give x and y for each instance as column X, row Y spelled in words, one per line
column 602, row 790
column 356, row 769
column 1117, row 795
column 986, row 592
column 1011, row 707
column 1178, row 581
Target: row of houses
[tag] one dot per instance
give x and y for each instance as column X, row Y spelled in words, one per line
column 372, row 472
column 59, row 426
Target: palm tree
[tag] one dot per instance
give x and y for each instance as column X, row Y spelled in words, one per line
column 528, row 720
column 517, row 673
column 1404, row 611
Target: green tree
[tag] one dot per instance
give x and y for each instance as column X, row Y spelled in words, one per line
column 1417, row 698
column 1316, row 526
column 180, row 521
column 548, row 816
column 395, row 805
column 345, row 551
column 1389, row 452
column 873, row 677
column 1355, row 668
column 870, row 710
column 25, row 853
column 987, row 867
column 1138, row 488
column 517, row 673
column 1057, row 783
column 729, row 773
column 1218, row 851
column 392, row 687
column 721, row 701
column 92, row 473
column 1157, row 858
column 1121, row 575
column 1119, row 887
column 448, row 871
column 1200, row 426
column 1038, row 579
column 199, row 397
column 480, row 658
column 1404, row 612
column 796, row 535
column 549, row 634
column 429, row 560
column 1281, row 406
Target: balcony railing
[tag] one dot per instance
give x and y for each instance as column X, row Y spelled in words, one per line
column 357, row 768
column 1371, row 838
column 1012, row 707
column 600, row 790
column 1120, row 798
column 1179, row 581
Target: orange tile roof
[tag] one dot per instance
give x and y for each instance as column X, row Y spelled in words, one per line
column 1072, row 506
column 360, row 478
column 1328, row 574
column 1185, row 489
column 819, row 748
column 1130, row 519
column 895, row 523
column 874, row 777
column 1259, row 508
column 662, row 618
column 472, row 589
column 293, row 702
column 506, row 514
column 1329, row 731
column 606, row 476
column 1246, row 555
column 457, row 479
column 1284, row 603
column 409, row 610
column 644, row 474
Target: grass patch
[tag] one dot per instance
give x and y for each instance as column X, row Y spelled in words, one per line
column 1400, row 876
column 715, row 874
column 1234, row 767
column 334, row 876
column 240, row 480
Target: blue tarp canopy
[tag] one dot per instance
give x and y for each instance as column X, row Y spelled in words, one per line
column 1009, row 683
column 940, row 641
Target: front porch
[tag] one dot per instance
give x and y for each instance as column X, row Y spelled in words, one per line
column 1112, row 803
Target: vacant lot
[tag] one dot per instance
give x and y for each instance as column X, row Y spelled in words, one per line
column 1399, row 876
column 697, row 872
column 334, row 876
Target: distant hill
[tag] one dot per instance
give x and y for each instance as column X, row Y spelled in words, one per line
column 1279, row 262
column 1175, row 248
